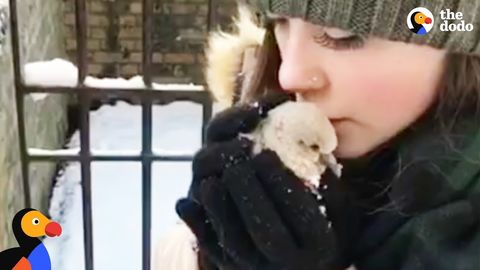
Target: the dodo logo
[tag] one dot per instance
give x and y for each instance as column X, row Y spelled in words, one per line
column 420, row 20
column 28, row 225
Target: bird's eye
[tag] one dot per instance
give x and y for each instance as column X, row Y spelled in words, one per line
column 35, row 221
column 315, row 147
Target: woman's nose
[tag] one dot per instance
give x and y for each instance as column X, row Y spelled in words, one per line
column 300, row 70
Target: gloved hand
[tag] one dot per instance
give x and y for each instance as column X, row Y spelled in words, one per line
column 254, row 213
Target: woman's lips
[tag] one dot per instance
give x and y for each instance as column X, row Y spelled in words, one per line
column 339, row 124
column 337, row 120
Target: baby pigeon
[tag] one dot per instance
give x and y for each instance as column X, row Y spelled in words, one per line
column 303, row 138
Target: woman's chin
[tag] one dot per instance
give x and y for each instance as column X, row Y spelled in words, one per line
column 352, row 142
column 348, row 151
column 343, row 154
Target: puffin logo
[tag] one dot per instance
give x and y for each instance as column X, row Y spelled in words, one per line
column 420, row 20
column 29, row 224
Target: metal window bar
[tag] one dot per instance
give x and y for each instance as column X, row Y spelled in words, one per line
column 85, row 96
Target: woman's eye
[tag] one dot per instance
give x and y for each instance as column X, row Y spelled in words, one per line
column 340, row 43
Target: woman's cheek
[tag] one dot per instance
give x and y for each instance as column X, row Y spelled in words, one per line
column 370, row 95
column 377, row 112
column 383, row 96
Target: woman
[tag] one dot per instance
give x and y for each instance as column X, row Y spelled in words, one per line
column 405, row 108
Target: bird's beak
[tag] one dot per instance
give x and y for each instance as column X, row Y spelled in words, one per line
column 53, row 229
column 428, row 20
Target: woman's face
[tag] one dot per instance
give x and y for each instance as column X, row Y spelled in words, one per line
column 371, row 89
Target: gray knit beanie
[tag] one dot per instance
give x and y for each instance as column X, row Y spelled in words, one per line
column 388, row 19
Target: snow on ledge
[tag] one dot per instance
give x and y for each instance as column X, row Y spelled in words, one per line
column 62, row 73
column 56, row 152
column 57, row 72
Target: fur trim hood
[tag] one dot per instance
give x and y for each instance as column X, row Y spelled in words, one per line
column 225, row 54
column 224, row 70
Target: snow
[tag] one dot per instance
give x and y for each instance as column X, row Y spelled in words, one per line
column 115, row 153
column 62, row 73
column 39, row 151
column 57, row 72
column 106, row 153
column 116, row 186
column 164, row 152
column 136, row 82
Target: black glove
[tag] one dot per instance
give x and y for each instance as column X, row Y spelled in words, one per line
column 253, row 213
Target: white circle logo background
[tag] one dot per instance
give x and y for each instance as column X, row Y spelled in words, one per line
column 425, row 11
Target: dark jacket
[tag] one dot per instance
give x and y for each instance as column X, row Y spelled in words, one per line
column 415, row 204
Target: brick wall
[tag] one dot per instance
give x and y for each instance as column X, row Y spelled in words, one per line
column 42, row 37
column 115, row 37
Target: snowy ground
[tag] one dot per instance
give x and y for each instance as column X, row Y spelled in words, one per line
column 116, row 186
